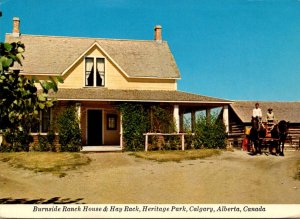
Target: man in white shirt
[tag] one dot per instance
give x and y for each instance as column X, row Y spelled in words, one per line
column 257, row 112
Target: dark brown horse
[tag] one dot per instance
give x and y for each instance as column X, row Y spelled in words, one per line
column 280, row 131
column 257, row 131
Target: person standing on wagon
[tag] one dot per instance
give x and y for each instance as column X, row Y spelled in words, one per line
column 257, row 112
column 270, row 119
column 270, row 116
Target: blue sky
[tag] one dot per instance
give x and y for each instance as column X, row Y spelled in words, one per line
column 231, row 49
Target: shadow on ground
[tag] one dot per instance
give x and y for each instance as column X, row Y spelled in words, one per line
column 55, row 200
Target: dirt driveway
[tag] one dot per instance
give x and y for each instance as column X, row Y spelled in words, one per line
column 233, row 177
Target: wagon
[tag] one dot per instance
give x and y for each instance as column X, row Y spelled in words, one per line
column 265, row 142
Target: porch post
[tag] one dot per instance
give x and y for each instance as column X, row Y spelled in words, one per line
column 226, row 118
column 193, row 120
column 121, row 131
column 176, row 117
column 207, row 115
column 78, row 109
column 1, row 138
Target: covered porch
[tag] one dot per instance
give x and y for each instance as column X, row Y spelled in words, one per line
column 97, row 109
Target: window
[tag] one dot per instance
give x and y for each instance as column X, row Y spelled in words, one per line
column 111, row 121
column 42, row 124
column 94, row 72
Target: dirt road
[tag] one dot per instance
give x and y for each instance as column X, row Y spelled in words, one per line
column 233, row 177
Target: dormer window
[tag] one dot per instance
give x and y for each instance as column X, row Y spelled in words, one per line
column 94, row 72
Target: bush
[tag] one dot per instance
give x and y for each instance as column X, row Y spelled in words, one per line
column 162, row 119
column 69, row 131
column 15, row 141
column 50, row 139
column 135, row 121
column 209, row 133
column 142, row 118
column 45, row 142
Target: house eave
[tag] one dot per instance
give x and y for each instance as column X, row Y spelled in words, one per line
column 137, row 100
column 151, row 77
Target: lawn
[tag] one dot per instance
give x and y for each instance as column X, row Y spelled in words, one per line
column 59, row 163
column 164, row 156
column 52, row 162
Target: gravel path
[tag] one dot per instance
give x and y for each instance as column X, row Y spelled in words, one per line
column 233, row 177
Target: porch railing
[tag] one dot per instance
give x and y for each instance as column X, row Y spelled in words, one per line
column 165, row 134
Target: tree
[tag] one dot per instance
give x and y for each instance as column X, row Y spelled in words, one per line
column 20, row 100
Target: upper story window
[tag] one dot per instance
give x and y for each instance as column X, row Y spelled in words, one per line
column 94, row 72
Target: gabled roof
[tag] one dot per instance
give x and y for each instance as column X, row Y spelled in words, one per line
column 52, row 55
column 104, row 94
column 289, row 111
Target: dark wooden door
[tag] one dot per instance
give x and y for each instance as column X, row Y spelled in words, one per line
column 94, row 127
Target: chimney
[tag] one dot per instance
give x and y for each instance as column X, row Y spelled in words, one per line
column 157, row 33
column 16, row 27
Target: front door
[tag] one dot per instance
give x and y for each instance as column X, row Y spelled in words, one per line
column 94, row 127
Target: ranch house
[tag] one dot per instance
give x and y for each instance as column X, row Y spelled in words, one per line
column 100, row 73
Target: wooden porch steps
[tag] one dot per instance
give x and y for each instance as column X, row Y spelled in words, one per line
column 104, row 148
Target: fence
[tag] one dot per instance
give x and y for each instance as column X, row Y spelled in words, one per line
column 166, row 134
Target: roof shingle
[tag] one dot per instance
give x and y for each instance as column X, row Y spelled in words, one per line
column 289, row 111
column 138, row 58
column 103, row 94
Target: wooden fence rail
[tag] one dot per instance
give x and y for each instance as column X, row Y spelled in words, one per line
column 168, row 134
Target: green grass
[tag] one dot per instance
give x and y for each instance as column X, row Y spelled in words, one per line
column 177, row 156
column 50, row 162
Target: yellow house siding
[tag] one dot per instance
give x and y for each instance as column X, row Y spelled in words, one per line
column 114, row 78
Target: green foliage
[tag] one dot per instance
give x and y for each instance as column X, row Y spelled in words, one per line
column 209, row 133
column 172, row 142
column 19, row 98
column 15, row 141
column 135, row 119
column 162, row 119
column 141, row 118
column 69, row 130
column 45, row 142
column 51, row 139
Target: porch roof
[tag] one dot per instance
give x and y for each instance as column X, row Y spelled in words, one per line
column 289, row 111
column 103, row 94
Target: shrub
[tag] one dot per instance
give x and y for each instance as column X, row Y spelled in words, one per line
column 69, row 131
column 15, row 141
column 43, row 143
column 162, row 119
column 135, row 121
column 46, row 142
column 209, row 133
column 141, row 118
column 51, row 139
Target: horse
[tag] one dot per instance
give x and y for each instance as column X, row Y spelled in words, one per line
column 257, row 131
column 280, row 131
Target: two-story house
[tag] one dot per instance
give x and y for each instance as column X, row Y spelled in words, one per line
column 99, row 73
